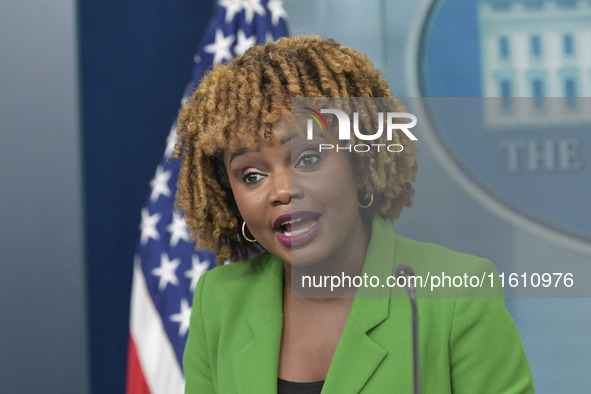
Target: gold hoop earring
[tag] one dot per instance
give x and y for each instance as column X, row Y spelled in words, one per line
column 244, row 233
column 368, row 204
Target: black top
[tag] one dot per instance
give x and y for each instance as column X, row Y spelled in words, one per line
column 287, row 387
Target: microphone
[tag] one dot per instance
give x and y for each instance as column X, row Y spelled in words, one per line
column 404, row 270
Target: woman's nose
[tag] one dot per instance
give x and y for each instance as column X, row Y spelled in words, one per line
column 282, row 189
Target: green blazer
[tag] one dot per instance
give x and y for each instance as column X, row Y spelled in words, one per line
column 467, row 345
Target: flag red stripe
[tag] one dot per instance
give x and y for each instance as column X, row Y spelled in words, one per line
column 136, row 383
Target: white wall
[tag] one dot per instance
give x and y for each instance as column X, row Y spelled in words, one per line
column 42, row 301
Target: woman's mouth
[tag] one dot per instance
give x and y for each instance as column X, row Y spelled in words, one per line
column 297, row 228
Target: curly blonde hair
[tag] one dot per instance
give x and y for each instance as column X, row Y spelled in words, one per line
column 234, row 101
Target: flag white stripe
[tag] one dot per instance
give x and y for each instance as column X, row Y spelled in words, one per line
column 154, row 351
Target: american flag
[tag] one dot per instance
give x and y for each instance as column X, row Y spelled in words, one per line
column 166, row 266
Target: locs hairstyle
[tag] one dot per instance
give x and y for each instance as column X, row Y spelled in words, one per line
column 235, row 101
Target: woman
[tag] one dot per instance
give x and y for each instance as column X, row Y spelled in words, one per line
column 252, row 183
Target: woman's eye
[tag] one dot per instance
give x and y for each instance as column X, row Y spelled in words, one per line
column 252, row 177
column 308, row 160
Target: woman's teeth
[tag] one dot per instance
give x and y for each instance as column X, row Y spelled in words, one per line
column 286, row 228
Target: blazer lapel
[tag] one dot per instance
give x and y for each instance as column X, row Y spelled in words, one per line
column 358, row 356
column 256, row 364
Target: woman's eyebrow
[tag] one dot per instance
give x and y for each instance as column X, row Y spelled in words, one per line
column 291, row 136
column 283, row 140
column 288, row 138
column 240, row 152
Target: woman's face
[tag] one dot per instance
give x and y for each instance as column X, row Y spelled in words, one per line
column 298, row 203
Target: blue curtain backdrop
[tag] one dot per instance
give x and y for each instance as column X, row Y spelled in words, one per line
column 135, row 60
